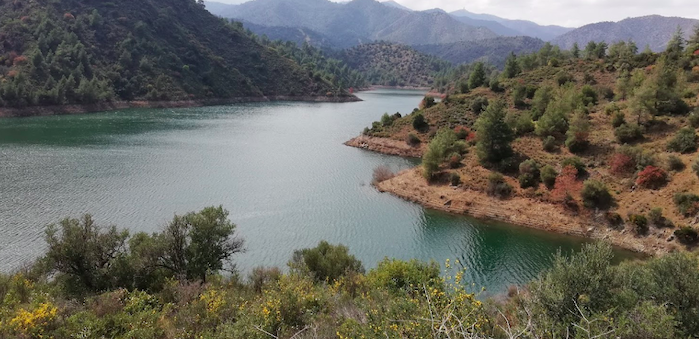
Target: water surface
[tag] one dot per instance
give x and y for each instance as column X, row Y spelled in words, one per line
column 279, row 168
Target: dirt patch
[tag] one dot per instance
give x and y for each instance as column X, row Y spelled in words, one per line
column 386, row 146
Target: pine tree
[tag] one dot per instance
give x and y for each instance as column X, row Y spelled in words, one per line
column 575, row 51
column 477, row 78
column 512, row 68
column 494, row 135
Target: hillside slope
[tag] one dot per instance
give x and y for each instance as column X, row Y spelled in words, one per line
column 357, row 20
column 493, row 51
column 522, row 27
column 393, row 65
column 654, row 31
column 72, row 51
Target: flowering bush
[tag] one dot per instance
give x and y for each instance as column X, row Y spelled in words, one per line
column 651, row 177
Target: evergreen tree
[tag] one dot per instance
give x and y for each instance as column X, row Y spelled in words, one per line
column 575, row 51
column 477, row 78
column 494, row 135
column 512, row 68
column 676, row 45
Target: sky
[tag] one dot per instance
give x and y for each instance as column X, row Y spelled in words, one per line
column 571, row 13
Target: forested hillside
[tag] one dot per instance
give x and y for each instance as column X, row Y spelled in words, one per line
column 394, row 65
column 600, row 142
column 653, row 31
column 493, row 51
column 76, row 51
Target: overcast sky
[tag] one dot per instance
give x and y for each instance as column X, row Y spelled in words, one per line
column 560, row 12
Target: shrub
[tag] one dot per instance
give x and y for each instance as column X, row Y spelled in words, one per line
column 618, row 119
column 444, row 143
column 656, row 218
column 455, row 160
column 595, row 194
column 612, row 108
column 479, row 105
column 687, row 235
column 529, row 173
column 413, row 140
column 387, row 120
column 628, row 133
column 693, row 118
column 567, row 184
column 687, row 203
column 695, row 167
column 495, row 85
column 651, row 177
column 549, row 144
column 428, row 102
column 455, row 179
column 576, row 163
column 497, row 186
column 518, row 95
column 674, row 163
column 419, row 123
column 523, row 124
column 563, row 78
column 404, row 276
column 589, row 95
column 622, row 164
column 685, row 141
column 382, row 173
column 639, row 223
column 326, row 262
column 614, row 219
column 261, row 277
column 548, row 176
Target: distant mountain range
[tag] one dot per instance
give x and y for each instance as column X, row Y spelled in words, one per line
column 356, row 21
column 494, row 51
column 653, row 31
column 509, row 27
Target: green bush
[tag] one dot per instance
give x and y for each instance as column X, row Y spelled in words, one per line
column 529, row 173
column 444, row 143
column 589, row 95
column 695, row 167
column 693, row 118
column 595, row 194
column 413, row 140
column 687, row 235
column 325, row 262
column 628, row 133
column 685, row 141
column 618, row 119
column 479, row 104
column 614, row 219
column 454, row 160
column 563, row 78
column 674, row 163
column 401, row 276
column 498, row 187
column 549, row 144
column 548, row 176
column 687, row 203
column 639, row 223
column 455, row 179
column 419, row 122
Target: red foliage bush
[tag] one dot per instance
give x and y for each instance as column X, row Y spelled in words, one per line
column 567, row 184
column 24, row 18
column 13, row 73
column 622, row 164
column 19, row 60
column 651, row 177
column 463, row 132
column 68, row 16
column 696, row 53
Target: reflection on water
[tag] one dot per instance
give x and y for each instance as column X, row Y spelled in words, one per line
column 279, row 168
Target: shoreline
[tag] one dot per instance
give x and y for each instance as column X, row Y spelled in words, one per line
column 32, row 111
column 518, row 211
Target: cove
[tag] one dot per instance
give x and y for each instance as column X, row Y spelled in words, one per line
column 281, row 169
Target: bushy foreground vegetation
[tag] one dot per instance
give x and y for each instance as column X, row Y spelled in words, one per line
column 97, row 282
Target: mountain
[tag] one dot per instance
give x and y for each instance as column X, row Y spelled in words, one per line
column 493, row 51
column 79, row 51
column 390, row 64
column 297, row 35
column 356, row 21
column 494, row 26
column 654, row 31
column 522, row 27
column 394, row 4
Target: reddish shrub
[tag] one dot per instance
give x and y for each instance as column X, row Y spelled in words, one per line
column 651, row 177
column 382, row 173
column 19, row 60
column 24, row 18
column 622, row 164
column 567, row 184
column 13, row 73
column 463, row 132
column 696, row 53
column 68, row 16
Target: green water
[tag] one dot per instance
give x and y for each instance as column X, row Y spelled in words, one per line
column 279, row 168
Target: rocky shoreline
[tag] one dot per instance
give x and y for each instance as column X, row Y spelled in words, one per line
column 521, row 211
column 7, row 112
